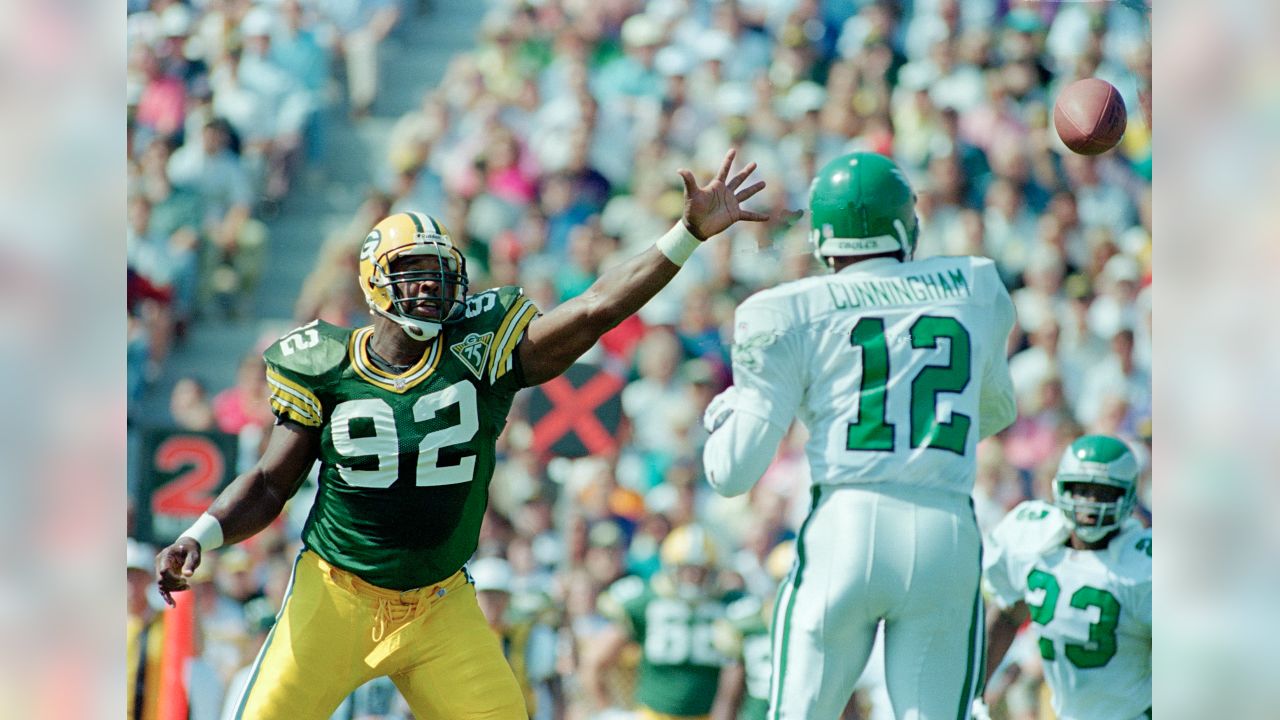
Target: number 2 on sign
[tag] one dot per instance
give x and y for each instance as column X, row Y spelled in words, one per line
column 190, row 491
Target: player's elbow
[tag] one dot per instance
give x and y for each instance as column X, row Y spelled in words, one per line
column 598, row 314
column 724, row 481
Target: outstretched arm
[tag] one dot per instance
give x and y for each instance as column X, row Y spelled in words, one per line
column 556, row 340
column 247, row 505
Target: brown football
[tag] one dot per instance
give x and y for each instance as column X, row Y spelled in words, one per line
column 1089, row 116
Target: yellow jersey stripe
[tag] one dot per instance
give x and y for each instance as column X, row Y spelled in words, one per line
column 501, row 335
column 364, row 367
column 517, row 330
column 362, row 354
column 511, row 315
column 293, row 412
column 284, row 400
column 291, row 388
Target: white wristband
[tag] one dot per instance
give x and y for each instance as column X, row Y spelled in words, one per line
column 207, row 531
column 678, row 244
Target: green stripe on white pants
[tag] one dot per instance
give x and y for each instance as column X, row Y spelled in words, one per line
column 866, row 553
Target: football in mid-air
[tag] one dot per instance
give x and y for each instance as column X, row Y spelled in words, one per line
column 1090, row 116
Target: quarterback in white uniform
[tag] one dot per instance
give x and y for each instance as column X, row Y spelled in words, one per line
column 1081, row 568
column 897, row 368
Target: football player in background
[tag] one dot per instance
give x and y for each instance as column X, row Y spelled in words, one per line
column 1081, row 570
column 404, row 416
column 672, row 617
column 897, row 368
column 743, row 636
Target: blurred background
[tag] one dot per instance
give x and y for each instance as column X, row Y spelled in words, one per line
column 327, row 147
column 265, row 138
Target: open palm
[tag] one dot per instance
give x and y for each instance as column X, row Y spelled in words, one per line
column 712, row 208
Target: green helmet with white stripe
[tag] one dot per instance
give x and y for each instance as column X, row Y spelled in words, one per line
column 1096, row 485
column 862, row 204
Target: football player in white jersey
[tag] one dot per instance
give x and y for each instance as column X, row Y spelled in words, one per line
column 897, row 368
column 1081, row 568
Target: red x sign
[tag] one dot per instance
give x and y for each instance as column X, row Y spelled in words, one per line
column 577, row 413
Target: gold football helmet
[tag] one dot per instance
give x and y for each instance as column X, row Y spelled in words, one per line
column 421, row 298
column 688, row 545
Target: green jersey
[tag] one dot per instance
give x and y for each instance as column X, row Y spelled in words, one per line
column 405, row 459
column 746, row 621
column 679, row 664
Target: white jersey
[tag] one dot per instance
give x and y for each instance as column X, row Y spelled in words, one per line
column 897, row 369
column 1090, row 609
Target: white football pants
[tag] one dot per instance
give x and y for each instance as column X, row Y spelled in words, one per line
column 910, row 556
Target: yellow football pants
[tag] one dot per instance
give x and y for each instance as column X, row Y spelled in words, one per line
column 335, row 632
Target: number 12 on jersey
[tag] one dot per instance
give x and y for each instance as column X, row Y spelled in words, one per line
column 870, row 430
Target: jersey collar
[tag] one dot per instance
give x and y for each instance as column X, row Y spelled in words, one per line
column 873, row 264
column 358, row 351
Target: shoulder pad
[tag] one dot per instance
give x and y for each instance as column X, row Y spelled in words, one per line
column 613, row 602
column 1132, row 549
column 746, row 614
column 756, row 326
column 627, row 589
column 1033, row 526
column 493, row 304
column 297, row 366
column 987, row 276
column 775, row 301
column 497, row 318
column 982, row 264
column 309, row 351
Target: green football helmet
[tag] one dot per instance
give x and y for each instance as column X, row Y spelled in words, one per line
column 1103, row 461
column 862, row 204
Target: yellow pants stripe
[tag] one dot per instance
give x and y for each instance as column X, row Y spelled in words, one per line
column 257, row 662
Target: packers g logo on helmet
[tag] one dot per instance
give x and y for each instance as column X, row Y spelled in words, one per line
column 1096, row 460
column 861, row 204
column 441, row 287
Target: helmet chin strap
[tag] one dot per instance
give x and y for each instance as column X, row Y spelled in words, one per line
column 419, row 333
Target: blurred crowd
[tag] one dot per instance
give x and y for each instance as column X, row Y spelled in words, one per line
column 226, row 107
column 550, row 151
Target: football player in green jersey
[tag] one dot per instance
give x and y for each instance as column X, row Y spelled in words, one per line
column 672, row 617
column 743, row 636
column 403, row 416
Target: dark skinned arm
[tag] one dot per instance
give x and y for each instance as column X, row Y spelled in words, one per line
column 248, row 504
column 729, row 692
column 600, row 654
column 554, row 341
column 1002, row 626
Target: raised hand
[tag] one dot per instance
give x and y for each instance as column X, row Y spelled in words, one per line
column 712, row 208
column 174, row 565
